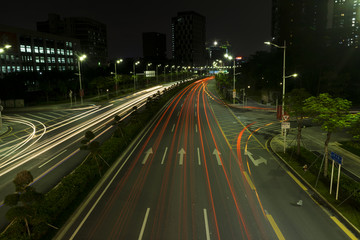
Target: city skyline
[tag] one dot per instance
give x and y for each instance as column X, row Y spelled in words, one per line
column 126, row 22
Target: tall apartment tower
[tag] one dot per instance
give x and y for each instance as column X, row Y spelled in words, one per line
column 91, row 34
column 154, row 46
column 343, row 22
column 188, row 39
column 299, row 21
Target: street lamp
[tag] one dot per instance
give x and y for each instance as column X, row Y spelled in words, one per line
column 234, row 90
column 157, row 75
column 284, row 76
column 116, row 82
column 80, row 59
column 134, row 71
column 173, row 66
column 165, row 72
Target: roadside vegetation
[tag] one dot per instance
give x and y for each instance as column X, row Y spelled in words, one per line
column 38, row 216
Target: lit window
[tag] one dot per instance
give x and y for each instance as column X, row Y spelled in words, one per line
column 28, row 49
column 36, row 49
column 41, row 50
column 22, row 48
column 52, row 50
column 48, row 50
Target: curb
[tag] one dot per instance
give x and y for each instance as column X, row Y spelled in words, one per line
column 324, row 202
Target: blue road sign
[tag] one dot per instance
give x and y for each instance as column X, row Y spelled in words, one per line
column 336, row 157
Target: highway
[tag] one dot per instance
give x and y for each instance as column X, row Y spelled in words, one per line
column 202, row 171
column 46, row 141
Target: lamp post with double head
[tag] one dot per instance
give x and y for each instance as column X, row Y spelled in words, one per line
column 283, row 74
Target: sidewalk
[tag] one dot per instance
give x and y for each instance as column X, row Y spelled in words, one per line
column 313, row 139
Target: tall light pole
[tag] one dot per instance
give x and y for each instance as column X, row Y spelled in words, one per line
column 234, row 89
column 165, row 72
column 134, row 71
column 173, row 66
column 116, row 82
column 157, row 75
column 284, row 73
column 7, row 46
column 80, row 59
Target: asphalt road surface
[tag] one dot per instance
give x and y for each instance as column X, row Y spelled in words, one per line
column 201, row 171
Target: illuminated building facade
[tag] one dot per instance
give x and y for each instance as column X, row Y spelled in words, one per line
column 91, row 34
column 344, row 17
column 33, row 51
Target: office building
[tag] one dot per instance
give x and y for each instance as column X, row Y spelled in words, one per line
column 343, row 22
column 91, row 34
column 188, row 39
column 154, row 46
column 33, row 51
column 299, row 21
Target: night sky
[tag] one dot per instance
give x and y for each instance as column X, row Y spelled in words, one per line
column 246, row 24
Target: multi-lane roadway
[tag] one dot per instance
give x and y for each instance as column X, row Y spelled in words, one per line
column 46, row 141
column 201, row 170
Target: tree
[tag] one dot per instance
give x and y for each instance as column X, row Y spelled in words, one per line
column 27, row 212
column 295, row 107
column 332, row 114
column 355, row 127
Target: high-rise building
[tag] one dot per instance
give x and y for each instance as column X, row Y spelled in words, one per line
column 343, row 22
column 91, row 34
column 188, row 39
column 298, row 21
column 33, row 51
column 154, row 46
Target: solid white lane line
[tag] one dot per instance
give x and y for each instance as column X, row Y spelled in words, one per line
column 172, row 130
column 206, row 225
column 198, row 152
column 144, row 224
column 163, row 159
column 51, row 159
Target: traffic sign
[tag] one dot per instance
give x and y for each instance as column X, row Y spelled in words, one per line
column 336, row 157
column 285, row 117
column 285, row 125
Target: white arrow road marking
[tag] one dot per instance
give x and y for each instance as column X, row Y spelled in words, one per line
column 163, row 159
column 217, row 154
column 256, row 162
column 148, row 152
column 181, row 152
